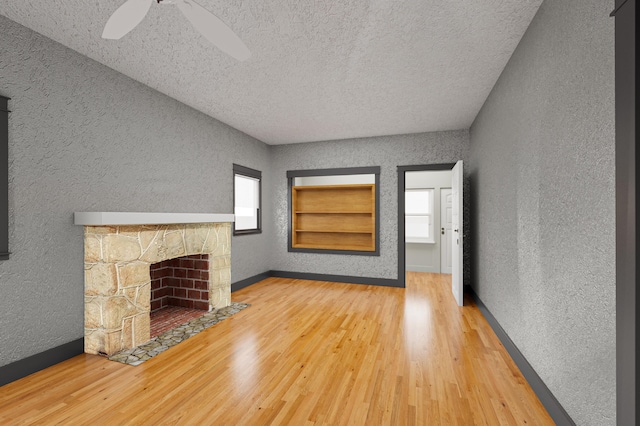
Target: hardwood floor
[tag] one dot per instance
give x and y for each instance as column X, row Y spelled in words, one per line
column 304, row 353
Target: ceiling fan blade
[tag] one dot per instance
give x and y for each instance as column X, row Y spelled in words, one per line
column 214, row 30
column 126, row 18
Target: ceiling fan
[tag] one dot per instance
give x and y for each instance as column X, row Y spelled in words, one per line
column 132, row 12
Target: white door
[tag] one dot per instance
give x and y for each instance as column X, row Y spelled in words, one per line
column 446, row 230
column 456, row 222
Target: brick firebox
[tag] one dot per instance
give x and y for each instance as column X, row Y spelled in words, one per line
column 182, row 281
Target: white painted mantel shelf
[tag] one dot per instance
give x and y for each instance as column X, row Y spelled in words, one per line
column 143, row 218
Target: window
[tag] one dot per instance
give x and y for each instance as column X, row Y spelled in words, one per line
column 334, row 211
column 247, row 200
column 418, row 211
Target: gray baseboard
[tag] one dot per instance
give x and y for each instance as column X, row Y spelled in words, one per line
column 385, row 282
column 248, row 281
column 24, row 367
column 418, row 268
column 555, row 410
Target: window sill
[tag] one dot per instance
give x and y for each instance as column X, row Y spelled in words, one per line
column 247, row 232
column 419, row 241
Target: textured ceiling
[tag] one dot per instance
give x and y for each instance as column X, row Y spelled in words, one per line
column 319, row 70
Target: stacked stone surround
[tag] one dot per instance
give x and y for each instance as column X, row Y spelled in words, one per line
column 118, row 281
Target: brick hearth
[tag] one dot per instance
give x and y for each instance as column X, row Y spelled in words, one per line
column 170, row 317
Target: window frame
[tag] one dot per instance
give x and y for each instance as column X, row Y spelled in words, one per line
column 253, row 174
column 373, row 170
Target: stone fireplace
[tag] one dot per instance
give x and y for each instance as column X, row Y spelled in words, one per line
column 117, row 261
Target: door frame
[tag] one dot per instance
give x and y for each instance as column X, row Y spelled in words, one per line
column 400, row 219
column 627, row 254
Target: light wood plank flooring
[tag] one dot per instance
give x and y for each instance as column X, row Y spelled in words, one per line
column 304, row 353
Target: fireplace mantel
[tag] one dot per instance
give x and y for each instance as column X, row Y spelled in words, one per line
column 143, row 218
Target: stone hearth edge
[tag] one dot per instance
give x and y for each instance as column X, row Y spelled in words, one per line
column 166, row 340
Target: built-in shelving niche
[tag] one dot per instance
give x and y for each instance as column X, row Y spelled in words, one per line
column 334, row 218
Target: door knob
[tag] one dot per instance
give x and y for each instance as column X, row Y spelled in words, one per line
column 455, row 230
column 442, row 231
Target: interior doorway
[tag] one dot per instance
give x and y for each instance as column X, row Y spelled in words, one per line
column 420, row 228
column 425, row 220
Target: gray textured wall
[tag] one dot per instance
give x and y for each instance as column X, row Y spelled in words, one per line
column 83, row 137
column 388, row 152
column 542, row 151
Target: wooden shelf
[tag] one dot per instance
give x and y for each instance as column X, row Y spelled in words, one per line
column 334, row 232
column 332, row 247
column 334, row 217
column 331, row 212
